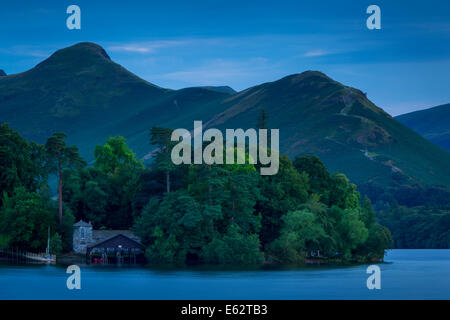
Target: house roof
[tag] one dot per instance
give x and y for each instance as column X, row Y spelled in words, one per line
column 82, row 223
column 112, row 234
column 101, row 235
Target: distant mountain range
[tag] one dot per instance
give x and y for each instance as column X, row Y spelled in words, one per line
column 432, row 123
column 81, row 91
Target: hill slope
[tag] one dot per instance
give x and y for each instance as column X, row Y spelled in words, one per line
column 80, row 91
column 318, row 115
column 432, row 123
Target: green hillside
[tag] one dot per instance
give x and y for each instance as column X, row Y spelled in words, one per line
column 80, row 91
column 318, row 115
column 432, row 123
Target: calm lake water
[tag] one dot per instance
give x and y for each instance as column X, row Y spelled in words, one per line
column 407, row 274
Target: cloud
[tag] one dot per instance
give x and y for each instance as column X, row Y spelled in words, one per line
column 221, row 72
column 129, row 49
column 146, row 47
column 27, row 51
column 316, row 53
column 211, row 73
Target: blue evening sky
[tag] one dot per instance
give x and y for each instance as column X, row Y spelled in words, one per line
column 403, row 67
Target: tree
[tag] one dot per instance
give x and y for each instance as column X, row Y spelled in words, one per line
column 56, row 244
column 350, row 231
column 343, row 193
column 178, row 222
column 105, row 193
column 263, row 124
column 319, row 177
column 286, row 191
column 161, row 138
column 163, row 250
column 25, row 218
column 61, row 156
column 262, row 120
column 378, row 240
column 85, row 192
column 367, row 212
column 115, row 155
column 21, row 163
column 301, row 233
column 234, row 247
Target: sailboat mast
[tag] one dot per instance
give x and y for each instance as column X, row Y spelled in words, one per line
column 48, row 242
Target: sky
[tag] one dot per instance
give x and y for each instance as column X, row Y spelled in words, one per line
column 404, row 66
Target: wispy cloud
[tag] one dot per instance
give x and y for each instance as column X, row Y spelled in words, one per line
column 27, row 51
column 316, row 53
column 147, row 47
column 213, row 72
column 129, row 49
column 221, row 72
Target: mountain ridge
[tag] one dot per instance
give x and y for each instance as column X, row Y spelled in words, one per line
column 81, row 91
column 432, row 123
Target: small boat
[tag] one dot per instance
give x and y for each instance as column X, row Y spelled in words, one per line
column 49, row 259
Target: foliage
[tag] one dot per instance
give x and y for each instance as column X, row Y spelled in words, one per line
column 319, row 177
column 300, row 233
column 21, row 163
column 24, row 219
column 281, row 193
column 188, row 214
column 115, row 156
column 56, row 244
column 418, row 227
column 234, row 247
column 228, row 214
column 59, row 157
column 104, row 193
column 160, row 137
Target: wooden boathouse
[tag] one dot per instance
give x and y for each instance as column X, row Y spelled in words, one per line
column 107, row 246
column 118, row 249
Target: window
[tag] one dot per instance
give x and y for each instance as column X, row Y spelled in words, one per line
column 82, row 233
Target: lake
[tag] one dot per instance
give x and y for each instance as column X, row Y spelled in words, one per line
column 406, row 274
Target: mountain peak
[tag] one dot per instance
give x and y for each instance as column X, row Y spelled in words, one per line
column 307, row 75
column 89, row 47
column 2, row 73
column 82, row 54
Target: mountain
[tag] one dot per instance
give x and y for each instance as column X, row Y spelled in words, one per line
column 317, row 115
column 432, row 123
column 81, row 91
column 2, row 73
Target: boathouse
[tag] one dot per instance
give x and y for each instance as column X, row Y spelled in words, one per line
column 107, row 246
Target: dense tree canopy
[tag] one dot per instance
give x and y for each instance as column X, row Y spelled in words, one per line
column 229, row 214
column 25, row 218
column 21, row 163
column 104, row 193
column 186, row 214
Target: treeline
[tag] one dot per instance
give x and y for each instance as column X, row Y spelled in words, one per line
column 417, row 215
column 418, row 227
column 214, row 214
column 229, row 214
